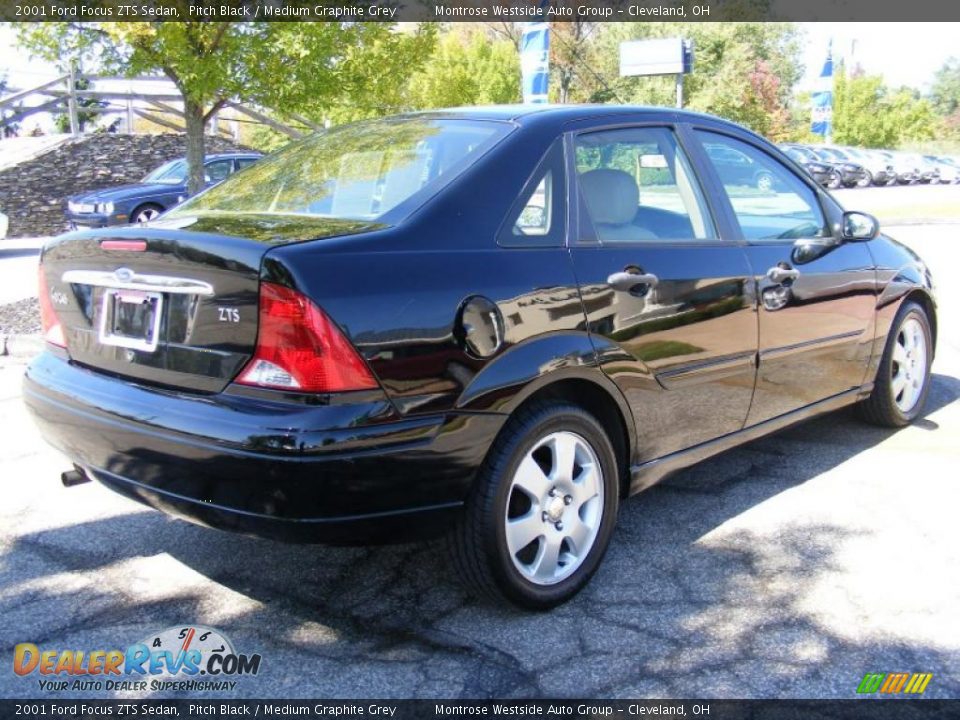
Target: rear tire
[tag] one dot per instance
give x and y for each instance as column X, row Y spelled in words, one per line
column 866, row 180
column 835, row 181
column 542, row 509
column 903, row 379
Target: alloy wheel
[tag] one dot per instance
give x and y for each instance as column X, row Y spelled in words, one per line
column 146, row 215
column 908, row 371
column 554, row 508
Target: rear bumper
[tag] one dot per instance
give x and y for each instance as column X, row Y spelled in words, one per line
column 340, row 472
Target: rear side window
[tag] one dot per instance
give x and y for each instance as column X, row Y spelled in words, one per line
column 537, row 219
column 638, row 186
column 770, row 201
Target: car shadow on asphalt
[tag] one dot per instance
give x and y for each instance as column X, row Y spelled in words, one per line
column 672, row 612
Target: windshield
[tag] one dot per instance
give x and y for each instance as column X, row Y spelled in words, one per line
column 171, row 173
column 354, row 172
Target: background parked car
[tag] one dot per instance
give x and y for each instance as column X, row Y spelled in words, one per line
column 878, row 168
column 817, row 169
column 4, row 224
column 851, row 173
column 927, row 172
column 160, row 190
column 739, row 166
column 947, row 172
column 904, row 169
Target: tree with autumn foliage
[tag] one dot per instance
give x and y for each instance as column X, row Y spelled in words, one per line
column 314, row 69
column 745, row 72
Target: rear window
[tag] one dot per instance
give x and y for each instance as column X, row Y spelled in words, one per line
column 359, row 171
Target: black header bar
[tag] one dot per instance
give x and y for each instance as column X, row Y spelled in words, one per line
column 479, row 10
column 539, row 709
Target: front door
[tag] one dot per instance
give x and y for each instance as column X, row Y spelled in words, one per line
column 816, row 294
column 668, row 302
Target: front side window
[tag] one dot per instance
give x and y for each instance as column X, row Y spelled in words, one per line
column 217, row 170
column 770, row 201
column 638, row 186
column 358, row 171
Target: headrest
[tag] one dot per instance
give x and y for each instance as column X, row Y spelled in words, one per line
column 612, row 196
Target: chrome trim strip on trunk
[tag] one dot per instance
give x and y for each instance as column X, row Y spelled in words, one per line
column 124, row 279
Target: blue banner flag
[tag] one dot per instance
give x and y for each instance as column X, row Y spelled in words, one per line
column 821, row 111
column 535, row 62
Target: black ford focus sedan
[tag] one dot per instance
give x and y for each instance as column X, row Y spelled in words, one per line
column 492, row 323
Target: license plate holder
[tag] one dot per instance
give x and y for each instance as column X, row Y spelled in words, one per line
column 131, row 318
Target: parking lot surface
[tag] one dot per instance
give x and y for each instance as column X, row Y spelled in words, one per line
column 789, row 567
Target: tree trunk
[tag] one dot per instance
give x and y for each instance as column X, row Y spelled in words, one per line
column 193, row 114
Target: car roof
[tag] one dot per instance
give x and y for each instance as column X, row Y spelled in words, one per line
column 216, row 156
column 522, row 114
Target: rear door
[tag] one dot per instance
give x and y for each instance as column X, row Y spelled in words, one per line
column 817, row 295
column 668, row 300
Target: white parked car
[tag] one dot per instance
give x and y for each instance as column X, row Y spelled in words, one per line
column 947, row 171
column 879, row 166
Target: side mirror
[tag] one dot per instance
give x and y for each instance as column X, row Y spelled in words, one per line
column 860, row 226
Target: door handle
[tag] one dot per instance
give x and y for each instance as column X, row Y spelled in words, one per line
column 779, row 274
column 626, row 281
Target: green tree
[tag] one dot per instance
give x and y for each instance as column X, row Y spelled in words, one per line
column 869, row 114
column 8, row 126
column 745, row 72
column 84, row 116
column 468, row 67
column 945, row 93
column 945, row 96
column 317, row 69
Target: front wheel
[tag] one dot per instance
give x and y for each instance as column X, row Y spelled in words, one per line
column 542, row 510
column 866, row 180
column 903, row 379
column 765, row 182
column 145, row 213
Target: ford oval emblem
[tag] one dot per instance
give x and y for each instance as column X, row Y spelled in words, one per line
column 123, row 275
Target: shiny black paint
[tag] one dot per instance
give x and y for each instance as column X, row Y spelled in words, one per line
column 361, row 466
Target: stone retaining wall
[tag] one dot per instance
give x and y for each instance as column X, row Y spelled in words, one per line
column 33, row 194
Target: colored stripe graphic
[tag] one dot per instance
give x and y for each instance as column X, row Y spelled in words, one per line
column 894, row 683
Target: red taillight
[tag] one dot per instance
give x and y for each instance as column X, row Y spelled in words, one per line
column 299, row 348
column 49, row 324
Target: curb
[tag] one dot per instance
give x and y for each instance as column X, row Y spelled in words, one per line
column 23, row 346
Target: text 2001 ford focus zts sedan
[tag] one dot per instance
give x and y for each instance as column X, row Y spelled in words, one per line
column 494, row 322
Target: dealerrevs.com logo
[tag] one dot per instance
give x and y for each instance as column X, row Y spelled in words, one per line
column 184, row 658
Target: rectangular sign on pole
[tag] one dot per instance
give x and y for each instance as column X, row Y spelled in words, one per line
column 535, row 62
column 662, row 56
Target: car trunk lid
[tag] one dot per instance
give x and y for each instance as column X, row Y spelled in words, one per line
column 174, row 303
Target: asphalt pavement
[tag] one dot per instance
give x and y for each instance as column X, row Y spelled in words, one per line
column 789, row 567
